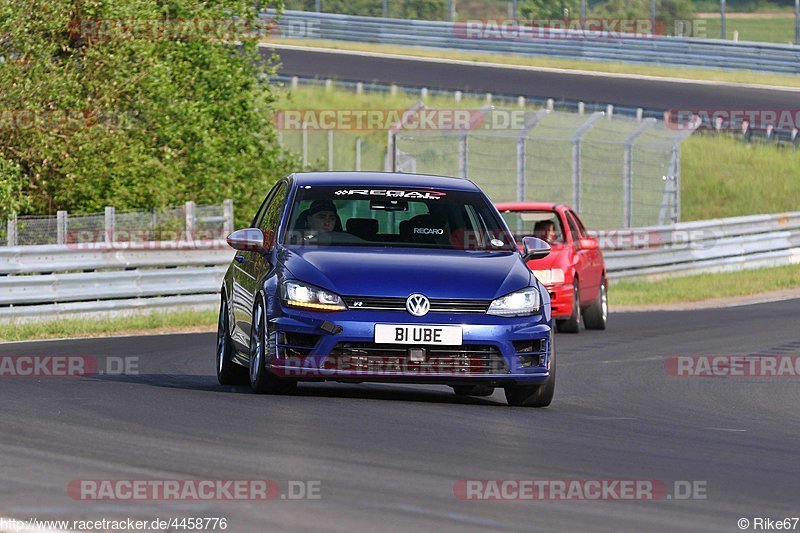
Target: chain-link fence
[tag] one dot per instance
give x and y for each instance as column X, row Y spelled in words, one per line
column 187, row 222
column 615, row 171
column 337, row 150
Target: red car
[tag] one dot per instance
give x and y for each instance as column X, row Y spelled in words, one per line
column 573, row 272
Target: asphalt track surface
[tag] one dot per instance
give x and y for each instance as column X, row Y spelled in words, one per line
column 388, row 456
column 648, row 94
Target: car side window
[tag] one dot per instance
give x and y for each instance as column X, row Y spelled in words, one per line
column 581, row 227
column 272, row 214
column 573, row 227
column 264, row 206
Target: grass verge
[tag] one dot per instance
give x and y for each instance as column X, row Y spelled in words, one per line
column 777, row 29
column 704, row 286
column 731, row 76
column 167, row 322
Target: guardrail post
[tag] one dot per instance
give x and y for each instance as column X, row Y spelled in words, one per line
column 61, row 226
column 358, row 154
column 227, row 210
column 189, row 220
column 330, row 149
column 11, row 230
column 109, row 220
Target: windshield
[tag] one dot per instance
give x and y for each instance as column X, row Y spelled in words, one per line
column 395, row 217
column 545, row 225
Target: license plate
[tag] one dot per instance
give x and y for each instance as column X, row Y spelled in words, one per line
column 413, row 334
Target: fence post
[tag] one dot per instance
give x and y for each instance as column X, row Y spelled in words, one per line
column 676, row 172
column 576, row 159
column 358, row 154
column 390, row 161
column 627, row 172
column 521, row 169
column 227, row 210
column 522, row 154
column 109, row 220
column 189, row 220
column 11, row 230
column 304, row 134
column 462, row 156
column 330, row 149
column 61, row 226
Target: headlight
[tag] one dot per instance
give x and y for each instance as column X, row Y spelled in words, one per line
column 521, row 303
column 549, row 277
column 297, row 294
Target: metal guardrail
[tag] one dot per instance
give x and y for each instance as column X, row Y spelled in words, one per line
column 50, row 280
column 41, row 282
column 677, row 51
column 703, row 246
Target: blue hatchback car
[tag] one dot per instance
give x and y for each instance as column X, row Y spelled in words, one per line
column 383, row 277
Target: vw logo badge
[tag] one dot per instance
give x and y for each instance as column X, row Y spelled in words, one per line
column 418, row 305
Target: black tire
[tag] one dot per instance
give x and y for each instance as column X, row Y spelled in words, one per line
column 473, row 390
column 228, row 372
column 262, row 348
column 536, row 395
column 596, row 315
column 573, row 323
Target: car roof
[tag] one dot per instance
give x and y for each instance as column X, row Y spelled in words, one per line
column 384, row 179
column 528, row 206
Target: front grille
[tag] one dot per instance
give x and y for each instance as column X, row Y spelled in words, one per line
column 438, row 305
column 393, row 359
column 295, row 344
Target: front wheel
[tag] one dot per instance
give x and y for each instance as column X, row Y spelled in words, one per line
column 596, row 315
column 228, row 372
column 536, row 395
column 573, row 323
column 263, row 346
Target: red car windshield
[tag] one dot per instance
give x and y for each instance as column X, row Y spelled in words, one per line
column 545, row 225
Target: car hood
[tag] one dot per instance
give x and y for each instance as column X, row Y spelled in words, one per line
column 357, row 271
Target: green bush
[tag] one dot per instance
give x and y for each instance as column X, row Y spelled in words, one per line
column 137, row 122
column 404, row 9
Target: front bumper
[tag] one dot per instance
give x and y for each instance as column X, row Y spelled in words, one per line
column 562, row 300
column 339, row 346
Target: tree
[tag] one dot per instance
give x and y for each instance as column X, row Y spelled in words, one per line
column 133, row 103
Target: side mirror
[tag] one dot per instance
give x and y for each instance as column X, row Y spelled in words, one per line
column 249, row 240
column 588, row 244
column 534, row 248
